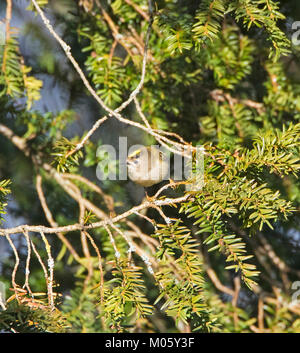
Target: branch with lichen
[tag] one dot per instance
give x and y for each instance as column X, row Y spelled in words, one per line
column 181, row 148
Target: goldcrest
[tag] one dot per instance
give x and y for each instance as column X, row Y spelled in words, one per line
column 147, row 166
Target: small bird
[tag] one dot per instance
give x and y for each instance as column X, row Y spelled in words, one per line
column 147, row 166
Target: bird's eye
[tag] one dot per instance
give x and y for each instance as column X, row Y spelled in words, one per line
column 134, row 158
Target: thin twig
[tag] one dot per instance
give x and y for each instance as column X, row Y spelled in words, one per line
column 17, row 262
column 260, row 315
column 44, row 269
column 99, row 265
column 218, row 284
column 103, row 223
column 84, row 245
column 50, row 267
column 109, row 201
column 113, row 243
column 50, row 219
column 138, row 9
column 237, row 287
column 113, row 113
column 27, row 270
